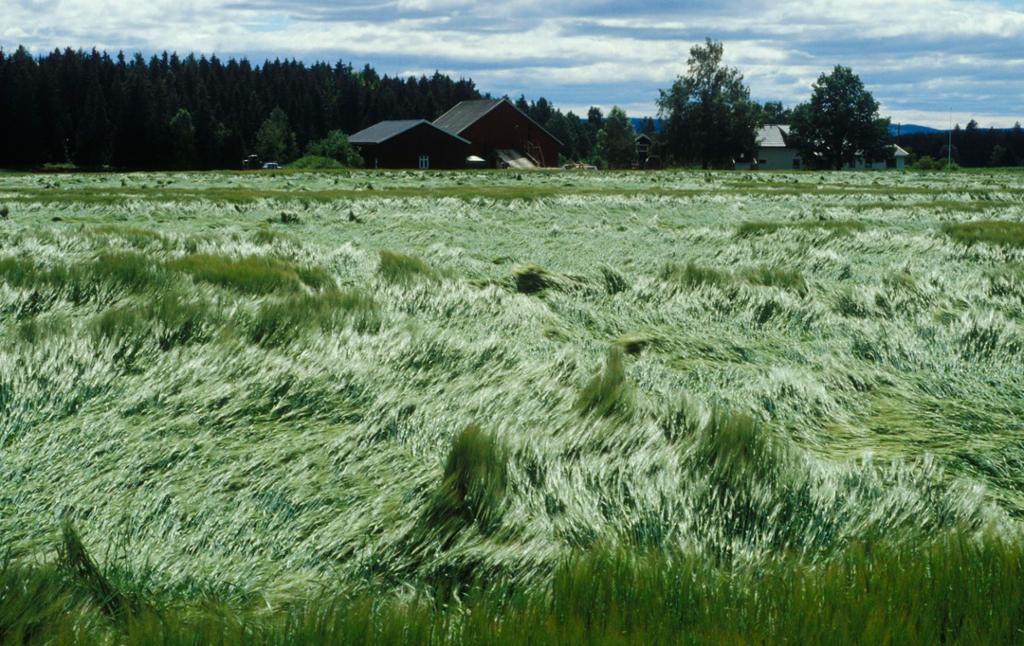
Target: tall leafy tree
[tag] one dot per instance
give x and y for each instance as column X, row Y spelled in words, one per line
column 616, row 142
column 840, row 122
column 774, row 112
column 183, row 138
column 707, row 114
column 275, row 140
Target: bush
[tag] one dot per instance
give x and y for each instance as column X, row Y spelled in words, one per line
column 925, row 162
column 335, row 147
column 315, row 162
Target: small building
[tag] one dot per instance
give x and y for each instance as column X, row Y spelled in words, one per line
column 897, row 162
column 413, row 143
column 501, row 133
column 774, row 151
column 645, row 159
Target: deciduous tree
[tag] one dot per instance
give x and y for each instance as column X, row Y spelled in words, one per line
column 840, row 122
column 707, row 114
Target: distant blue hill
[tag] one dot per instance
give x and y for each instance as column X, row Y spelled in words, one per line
column 912, row 129
column 904, row 129
column 638, row 123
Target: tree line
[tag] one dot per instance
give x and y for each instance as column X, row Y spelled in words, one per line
column 91, row 109
column 972, row 146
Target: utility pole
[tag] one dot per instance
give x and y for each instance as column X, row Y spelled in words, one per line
column 949, row 146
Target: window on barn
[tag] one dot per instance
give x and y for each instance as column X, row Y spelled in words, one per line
column 424, row 162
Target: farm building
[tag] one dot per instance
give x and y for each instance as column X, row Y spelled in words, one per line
column 898, row 161
column 644, row 158
column 775, row 152
column 414, row 143
column 501, row 133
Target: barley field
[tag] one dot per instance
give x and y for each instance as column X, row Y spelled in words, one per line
column 367, row 407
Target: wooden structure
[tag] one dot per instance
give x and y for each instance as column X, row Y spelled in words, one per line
column 414, row 143
column 498, row 129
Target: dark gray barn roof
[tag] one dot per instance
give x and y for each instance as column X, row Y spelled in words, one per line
column 466, row 113
column 381, row 132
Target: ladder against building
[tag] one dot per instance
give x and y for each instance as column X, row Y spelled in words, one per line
column 534, row 152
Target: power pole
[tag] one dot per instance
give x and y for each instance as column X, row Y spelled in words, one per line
column 949, row 146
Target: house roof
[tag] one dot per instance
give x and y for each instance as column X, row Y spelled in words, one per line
column 772, row 136
column 643, row 137
column 466, row 113
column 381, row 132
column 899, row 152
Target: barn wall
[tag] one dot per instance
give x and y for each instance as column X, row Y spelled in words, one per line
column 506, row 127
column 404, row 150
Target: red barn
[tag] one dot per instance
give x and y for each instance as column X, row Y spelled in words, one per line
column 501, row 133
column 415, row 143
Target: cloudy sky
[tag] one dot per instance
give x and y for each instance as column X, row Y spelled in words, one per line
column 922, row 58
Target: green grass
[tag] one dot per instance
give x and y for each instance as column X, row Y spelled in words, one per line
column 997, row 232
column 278, row 322
column 672, row 407
column 834, row 227
column 944, row 589
column 396, row 267
column 249, row 274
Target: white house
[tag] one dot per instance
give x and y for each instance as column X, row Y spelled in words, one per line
column 774, row 152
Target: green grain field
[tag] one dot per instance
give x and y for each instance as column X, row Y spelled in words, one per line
column 491, row 408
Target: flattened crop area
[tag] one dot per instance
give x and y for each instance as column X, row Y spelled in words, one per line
column 265, row 383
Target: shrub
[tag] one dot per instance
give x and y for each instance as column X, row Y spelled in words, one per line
column 400, row 268
column 315, row 162
column 335, row 147
column 998, row 232
column 249, row 274
column 607, row 393
column 925, row 162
